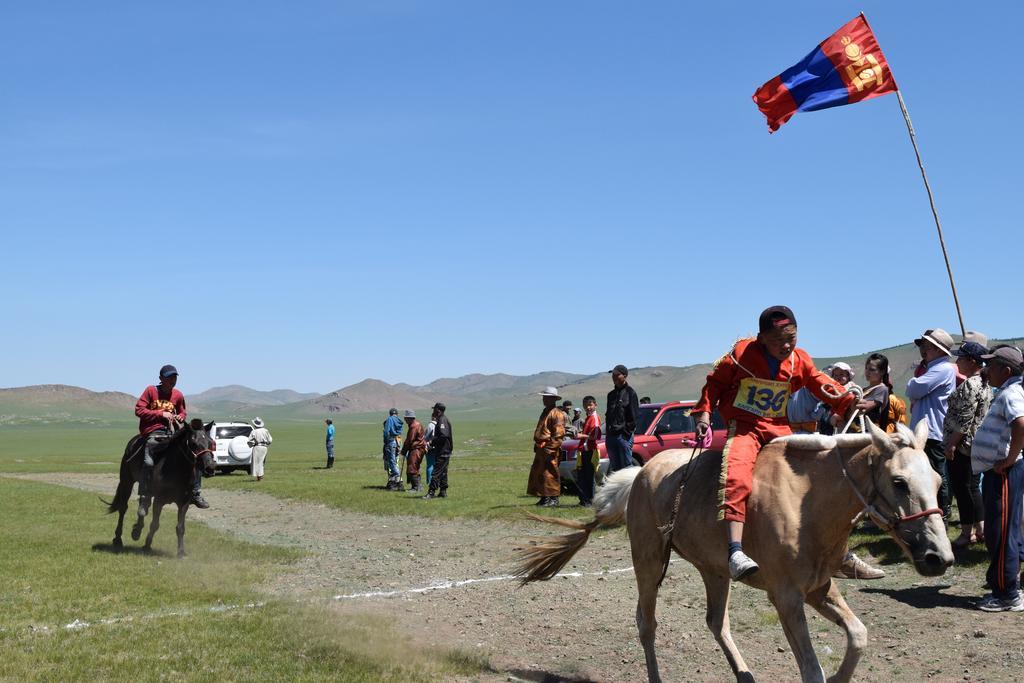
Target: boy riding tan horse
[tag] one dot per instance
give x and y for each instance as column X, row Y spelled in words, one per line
column 750, row 386
column 806, row 490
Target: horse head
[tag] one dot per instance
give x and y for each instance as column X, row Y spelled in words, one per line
column 202, row 445
column 905, row 499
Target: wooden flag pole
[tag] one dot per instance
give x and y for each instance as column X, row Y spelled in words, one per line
column 935, row 214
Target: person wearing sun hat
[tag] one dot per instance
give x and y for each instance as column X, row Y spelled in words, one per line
column 929, row 395
column 413, row 448
column 259, row 440
column 545, row 481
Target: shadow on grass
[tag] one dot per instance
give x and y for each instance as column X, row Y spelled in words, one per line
column 885, row 550
column 127, row 550
column 370, row 487
column 924, row 597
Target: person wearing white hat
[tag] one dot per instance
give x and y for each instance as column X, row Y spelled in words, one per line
column 929, row 393
column 259, row 441
column 545, row 481
column 843, row 373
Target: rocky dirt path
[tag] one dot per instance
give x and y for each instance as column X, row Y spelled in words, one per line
column 445, row 582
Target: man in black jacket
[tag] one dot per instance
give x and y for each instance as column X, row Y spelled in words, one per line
column 441, row 448
column 620, row 420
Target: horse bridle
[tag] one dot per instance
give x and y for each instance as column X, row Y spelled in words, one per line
column 195, row 454
column 885, row 522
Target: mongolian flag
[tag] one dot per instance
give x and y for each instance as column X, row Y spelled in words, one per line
column 846, row 67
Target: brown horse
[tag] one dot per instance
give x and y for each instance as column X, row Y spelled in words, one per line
column 807, row 490
column 172, row 478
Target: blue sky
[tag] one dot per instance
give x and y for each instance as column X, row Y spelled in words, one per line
column 303, row 195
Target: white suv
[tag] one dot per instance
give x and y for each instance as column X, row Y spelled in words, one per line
column 233, row 451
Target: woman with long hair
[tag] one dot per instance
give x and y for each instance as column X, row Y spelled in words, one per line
column 875, row 402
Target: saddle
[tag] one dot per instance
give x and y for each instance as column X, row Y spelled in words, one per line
column 137, row 444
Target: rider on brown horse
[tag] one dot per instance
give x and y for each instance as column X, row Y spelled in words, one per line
column 160, row 408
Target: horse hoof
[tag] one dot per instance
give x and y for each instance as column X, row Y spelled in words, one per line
column 117, row 542
column 181, row 555
column 147, row 548
column 136, row 534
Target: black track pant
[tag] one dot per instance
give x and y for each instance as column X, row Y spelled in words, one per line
column 937, row 457
column 966, row 489
column 439, row 480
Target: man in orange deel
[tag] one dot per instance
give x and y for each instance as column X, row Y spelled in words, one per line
column 750, row 386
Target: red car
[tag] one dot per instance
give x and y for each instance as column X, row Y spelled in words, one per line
column 659, row 427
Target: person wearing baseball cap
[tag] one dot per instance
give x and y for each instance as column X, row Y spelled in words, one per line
column 620, row 415
column 996, row 452
column 159, row 407
column 966, row 407
column 929, row 393
column 392, row 436
column 750, row 387
column 545, row 480
column 439, row 452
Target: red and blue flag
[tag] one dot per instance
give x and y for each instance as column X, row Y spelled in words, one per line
column 846, row 67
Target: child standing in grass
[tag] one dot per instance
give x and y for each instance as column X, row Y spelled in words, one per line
column 588, row 458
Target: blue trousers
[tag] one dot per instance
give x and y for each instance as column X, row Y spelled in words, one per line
column 1001, row 494
column 391, row 459
column 620, row 452
column 431, row 459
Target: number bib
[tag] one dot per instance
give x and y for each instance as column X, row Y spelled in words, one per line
column 763, row 397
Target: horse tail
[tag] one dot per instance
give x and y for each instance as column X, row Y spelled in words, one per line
column 545, row 557
column 121, row 497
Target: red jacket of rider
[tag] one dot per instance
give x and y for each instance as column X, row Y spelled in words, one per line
column 153, row 403
column 749, row 358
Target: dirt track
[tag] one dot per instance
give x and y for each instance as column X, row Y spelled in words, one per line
column 581, row 627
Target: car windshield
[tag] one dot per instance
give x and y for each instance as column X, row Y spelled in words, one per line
column 232, row 432
column 645, row 417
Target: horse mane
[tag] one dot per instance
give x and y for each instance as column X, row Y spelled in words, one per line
column 823, row 442
column 827, row 442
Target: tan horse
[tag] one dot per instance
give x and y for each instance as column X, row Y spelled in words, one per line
column 807, row 490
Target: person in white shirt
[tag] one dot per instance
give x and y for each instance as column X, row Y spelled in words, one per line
column 259, row 440
column 996, row 452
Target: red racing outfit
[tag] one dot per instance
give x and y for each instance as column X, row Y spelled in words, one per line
column 752, row 399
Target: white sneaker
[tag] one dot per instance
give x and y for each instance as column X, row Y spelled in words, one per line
column 741, row 566
column 991, row 603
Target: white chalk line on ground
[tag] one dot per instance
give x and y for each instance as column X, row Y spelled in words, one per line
column 79, row 624
column 447, row 585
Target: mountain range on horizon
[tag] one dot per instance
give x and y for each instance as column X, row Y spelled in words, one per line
column 483, row 394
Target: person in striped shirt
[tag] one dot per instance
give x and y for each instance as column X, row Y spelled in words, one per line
column 996, row 452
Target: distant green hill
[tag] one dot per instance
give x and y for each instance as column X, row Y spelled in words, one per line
column 48, row 403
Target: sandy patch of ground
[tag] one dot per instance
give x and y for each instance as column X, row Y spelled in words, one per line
column 581, row 627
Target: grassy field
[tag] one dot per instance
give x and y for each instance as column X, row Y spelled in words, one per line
column 152, row 617
column 74, row 611
column 487, row 476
